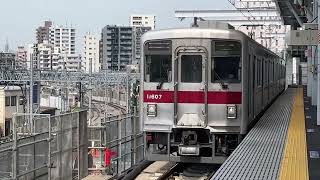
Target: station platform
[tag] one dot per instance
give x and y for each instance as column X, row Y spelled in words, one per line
column 279, row 145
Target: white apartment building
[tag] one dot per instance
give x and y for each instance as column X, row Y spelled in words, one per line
column 30, row 54
column 63, row 38
column 91, row 53
column 70, row 62
column 142, row 20
column 47, row 60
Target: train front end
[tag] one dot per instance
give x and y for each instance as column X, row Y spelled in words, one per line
column 191, row 94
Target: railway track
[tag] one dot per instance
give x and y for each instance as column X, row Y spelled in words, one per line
column 183, row 171
column 162, row 170
column 122, row 109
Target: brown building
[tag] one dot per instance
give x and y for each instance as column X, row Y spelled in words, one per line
column 43, row 32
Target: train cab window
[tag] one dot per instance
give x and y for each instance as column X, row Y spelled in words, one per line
column 158, row 68
column 226, row 69
column 191, row 68
column 226, row 61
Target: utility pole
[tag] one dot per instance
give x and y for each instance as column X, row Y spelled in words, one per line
column 31, row 89
column 90, row 91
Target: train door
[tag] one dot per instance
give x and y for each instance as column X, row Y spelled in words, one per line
column 262, row 82
column 190, row 92
column 250, row 87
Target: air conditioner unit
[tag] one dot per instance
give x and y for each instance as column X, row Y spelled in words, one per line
column 310, row 26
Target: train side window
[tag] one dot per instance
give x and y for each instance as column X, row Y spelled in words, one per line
column 191, row 68
column 255, row 71
column 271, row 72
column 158, row 68
column 260, row 72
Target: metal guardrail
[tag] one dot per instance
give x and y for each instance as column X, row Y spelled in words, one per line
column 63, row 76
column 116, row 145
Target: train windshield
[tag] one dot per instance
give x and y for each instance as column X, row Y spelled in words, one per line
column 225, row 62
column 158, row 68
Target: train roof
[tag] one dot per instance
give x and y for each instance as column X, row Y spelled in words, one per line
column 195, row 32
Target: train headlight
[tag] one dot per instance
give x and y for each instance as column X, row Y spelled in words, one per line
column 152, row 110
column 231, row 111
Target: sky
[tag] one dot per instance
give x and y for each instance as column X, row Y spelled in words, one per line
column 20, row 18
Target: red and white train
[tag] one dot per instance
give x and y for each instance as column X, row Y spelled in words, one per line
column 201, row 90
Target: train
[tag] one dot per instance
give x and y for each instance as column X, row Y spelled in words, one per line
column 201, row 91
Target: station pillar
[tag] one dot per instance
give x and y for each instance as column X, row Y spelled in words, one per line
column 309, row 68
column 317, row 63
column 314, row 90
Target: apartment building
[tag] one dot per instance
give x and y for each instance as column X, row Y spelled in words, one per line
column 91, row 53
column 43, row 32
column 117, row 43
column 7, row 60
column 21, row 57
column 63, row 38
column 141, row 20
column 137, row 33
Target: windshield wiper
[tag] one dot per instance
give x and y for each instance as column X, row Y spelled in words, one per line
column 220, row 81
column 159, row 86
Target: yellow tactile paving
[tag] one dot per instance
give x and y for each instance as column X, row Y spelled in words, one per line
column 295, row 160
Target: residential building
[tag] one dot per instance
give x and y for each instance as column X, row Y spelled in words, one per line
column 141, row 20
column 100, row 53
column 117, row 47
column 45, row 55
column 43, row 32
column 138, row 32
column 70, row 62
column 91, row 53
column 21, row 57
column 31, row 54
column 12, row 100
column 63, row 38
column 7, row 60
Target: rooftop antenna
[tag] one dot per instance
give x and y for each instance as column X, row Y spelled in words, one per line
column 6, row 47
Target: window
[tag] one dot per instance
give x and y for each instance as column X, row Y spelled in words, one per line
column 226, row 69
column 158, row 68
column 7, row 101
column 225, row 63
column 21, row 100
column 191, row 68
column 265, row 72
column 259, row 72
column 13, row 100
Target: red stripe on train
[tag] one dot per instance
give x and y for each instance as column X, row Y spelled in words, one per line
column 214, row 97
